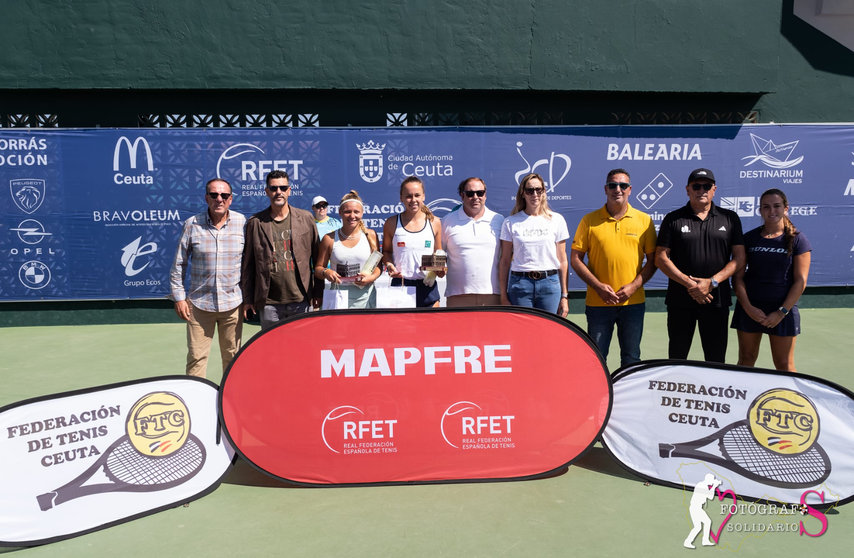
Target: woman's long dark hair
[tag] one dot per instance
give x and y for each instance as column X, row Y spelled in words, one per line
column 789, row 230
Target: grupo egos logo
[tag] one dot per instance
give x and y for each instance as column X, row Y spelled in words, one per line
column 34, row 275
column 371, row 161
column 156, row 452
column 652, row 193
column 467, row 426
column 348, row 430
column 127, row 168
column 28, row 193
column 553, row 168
column 776, row 445
column 136, row 256
column 247, row 165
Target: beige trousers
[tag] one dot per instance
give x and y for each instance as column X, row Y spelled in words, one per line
column 200, row 332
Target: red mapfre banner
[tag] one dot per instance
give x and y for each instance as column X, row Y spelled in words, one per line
column 377, row 396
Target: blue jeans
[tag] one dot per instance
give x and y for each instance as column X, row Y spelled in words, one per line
column 543, row 293
column 629, row 322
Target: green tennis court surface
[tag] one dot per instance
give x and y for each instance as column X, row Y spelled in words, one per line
column 593, row 509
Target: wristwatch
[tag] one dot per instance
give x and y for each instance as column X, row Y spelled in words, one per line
column 783, row 310
column 565, row 295
column 714, row 283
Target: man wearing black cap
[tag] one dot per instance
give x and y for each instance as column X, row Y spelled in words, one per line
column 700, row 246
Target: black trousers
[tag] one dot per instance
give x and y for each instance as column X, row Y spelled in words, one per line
column 681, row 323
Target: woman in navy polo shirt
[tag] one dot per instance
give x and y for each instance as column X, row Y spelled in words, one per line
column 768, row 289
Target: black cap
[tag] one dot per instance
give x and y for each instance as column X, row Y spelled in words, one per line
column 701, row 173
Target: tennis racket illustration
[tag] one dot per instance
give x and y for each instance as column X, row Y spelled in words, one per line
column 130, row 471
column 739, row 451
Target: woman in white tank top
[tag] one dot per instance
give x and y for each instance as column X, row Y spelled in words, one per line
column 408, row 236
column 352, row 244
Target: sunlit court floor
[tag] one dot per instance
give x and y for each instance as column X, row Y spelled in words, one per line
column 595, row 508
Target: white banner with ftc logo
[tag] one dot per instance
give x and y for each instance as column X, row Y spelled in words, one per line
column 767, row 435
column 76, row 462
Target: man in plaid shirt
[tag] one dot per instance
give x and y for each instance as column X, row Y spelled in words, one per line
column 211, row 245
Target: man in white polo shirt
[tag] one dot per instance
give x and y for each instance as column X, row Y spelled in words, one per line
column 470, row 236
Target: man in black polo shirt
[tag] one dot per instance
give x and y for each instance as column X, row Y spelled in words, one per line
column 700, row 246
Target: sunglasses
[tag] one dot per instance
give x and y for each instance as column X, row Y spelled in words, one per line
column 279, row 188
column 532, row 191
column 321, row 206
column 697, row 186
column 215, row 195
column 473, row 193
column 622, row 185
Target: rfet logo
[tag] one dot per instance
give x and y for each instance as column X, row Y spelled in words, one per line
column 133, row 150
column 348, row 430
column 466, row 425
column 247, row 165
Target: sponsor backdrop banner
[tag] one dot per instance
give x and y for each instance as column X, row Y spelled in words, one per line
column 80, row 461
column 415, row 396
column 767, row 435
column 96, row 214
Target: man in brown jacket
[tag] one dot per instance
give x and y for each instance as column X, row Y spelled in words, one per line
column 277, row 278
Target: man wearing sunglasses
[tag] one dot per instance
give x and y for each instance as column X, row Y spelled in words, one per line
column 700, row 246
column 277, row 277
column 470, row 235
column 211, row 245
column 616, row 239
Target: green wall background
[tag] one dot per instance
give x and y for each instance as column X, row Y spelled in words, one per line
column 100, row 62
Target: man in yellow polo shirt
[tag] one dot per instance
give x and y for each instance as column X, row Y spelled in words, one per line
column 616, row 239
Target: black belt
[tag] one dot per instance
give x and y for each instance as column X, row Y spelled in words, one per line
column 534, row 275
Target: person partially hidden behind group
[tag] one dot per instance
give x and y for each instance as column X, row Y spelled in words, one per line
column 351, row 245
column 768, row 289
column 407, row 237
column 533, row 267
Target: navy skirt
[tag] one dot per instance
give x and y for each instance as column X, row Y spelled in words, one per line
column 790, row 326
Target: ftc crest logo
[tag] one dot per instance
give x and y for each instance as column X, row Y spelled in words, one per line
column 28, row 193
column 371, row 161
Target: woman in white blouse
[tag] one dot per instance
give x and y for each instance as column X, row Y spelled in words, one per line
column 533, row 267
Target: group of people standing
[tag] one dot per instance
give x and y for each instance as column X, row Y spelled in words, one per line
column 279, row 266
